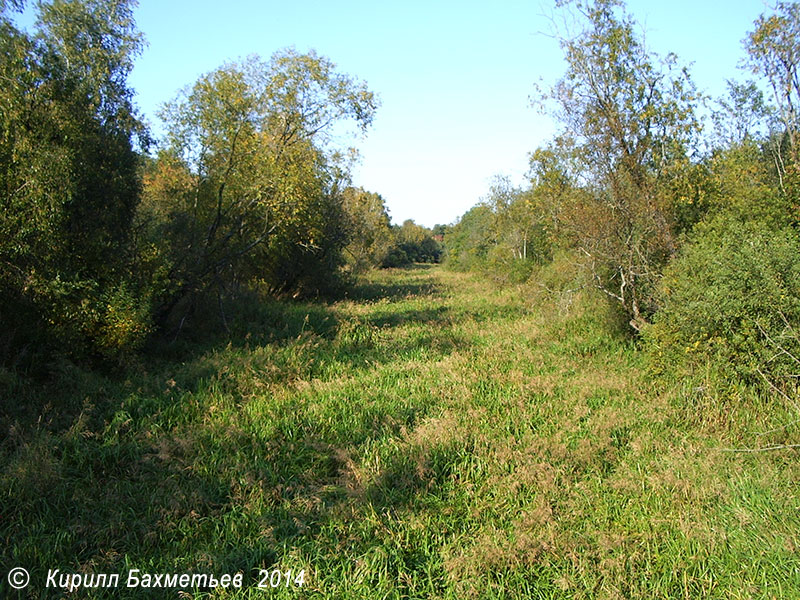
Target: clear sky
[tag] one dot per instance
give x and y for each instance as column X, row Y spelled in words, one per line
column 454, row 77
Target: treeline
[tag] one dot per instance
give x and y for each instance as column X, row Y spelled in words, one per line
column 376, row 243
column 681, row 210
column 107, row 236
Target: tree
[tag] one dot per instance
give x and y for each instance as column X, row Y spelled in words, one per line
column 369, row 229
column 518, row 228
column 742, row 115
column 247, row 182
column 555, row 173
column 469, row 240
column 731, row 302
column 773, row 50
column 631, row 117
column 439, row 230
column 417, row 243
column 69, row 181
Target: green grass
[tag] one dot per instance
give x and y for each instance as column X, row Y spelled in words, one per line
column 431, row 436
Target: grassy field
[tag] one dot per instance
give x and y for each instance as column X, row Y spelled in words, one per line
column 431, row 436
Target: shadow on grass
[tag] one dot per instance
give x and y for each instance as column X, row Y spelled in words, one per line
column 409, row 477
column 392, row 289
column 161, row 467
column 440, row 315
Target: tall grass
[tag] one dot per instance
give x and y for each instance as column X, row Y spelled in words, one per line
column 431, row 436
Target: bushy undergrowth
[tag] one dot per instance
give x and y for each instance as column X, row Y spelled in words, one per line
column 731, row 303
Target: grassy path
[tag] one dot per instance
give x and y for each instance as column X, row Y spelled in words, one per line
column 432, row 437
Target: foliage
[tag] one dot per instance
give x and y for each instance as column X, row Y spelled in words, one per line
column 412, row 244
column 555, row 173
column 742, row 115
column 506, row 235
column 369, row 229
column 631, row 117
column 728, row 302
column 417, row 242
column 731, row 301
column 469, row 240
column 69, row 180
column 247, row 188
column 395, row 258
column 521, row 241
column 740, row 181
column 773, row 50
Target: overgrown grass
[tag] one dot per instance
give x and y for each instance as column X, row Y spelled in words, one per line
column 429, row 437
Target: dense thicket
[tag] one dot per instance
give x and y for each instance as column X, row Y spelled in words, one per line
column 686, row 218
column 506, row 235
column 105, row 237
column 69, row 183
column 374, row 242
column 412, row 243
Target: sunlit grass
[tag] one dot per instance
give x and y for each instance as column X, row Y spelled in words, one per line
column 429, row 437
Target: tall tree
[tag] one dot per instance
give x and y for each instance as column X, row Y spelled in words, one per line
column 742, row 114
column 631, row 116
column 248, row 181
column 773, row 50
column 68, row 172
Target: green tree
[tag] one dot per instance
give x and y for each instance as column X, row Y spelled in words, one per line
column 417, row 243
column 773, row 50
column 742, row 115
column 744, row 174
column 631, row 117
column 439, row 230
column 69, row 177
column 468, row 241
column 247, row 181
column 518, row 227
column 369, row 229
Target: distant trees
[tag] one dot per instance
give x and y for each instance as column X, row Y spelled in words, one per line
column 369, row 229
column 504, row 235
column 412, row 244
column 467, row 243
column 417, row 242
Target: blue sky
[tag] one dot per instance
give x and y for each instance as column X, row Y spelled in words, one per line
column 454, row 77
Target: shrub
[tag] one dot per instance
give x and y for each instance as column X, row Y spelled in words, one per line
column 731, row 301
column 396, row 258
column 503, row 267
